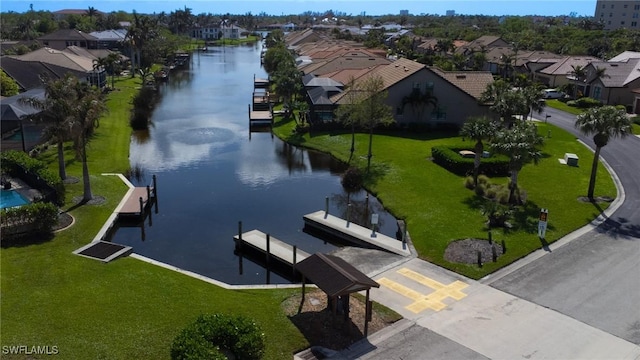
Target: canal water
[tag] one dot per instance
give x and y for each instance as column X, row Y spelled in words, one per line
column 211, row 174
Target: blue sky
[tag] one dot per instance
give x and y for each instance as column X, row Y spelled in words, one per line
column 354, row 7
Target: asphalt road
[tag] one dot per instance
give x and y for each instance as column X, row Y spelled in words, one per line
column 596, row 277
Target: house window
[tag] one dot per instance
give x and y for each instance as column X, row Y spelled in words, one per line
column 612, row 6
column 635, row 15
column 610, row 14
column 634, row 23
column 597, row 91
column 625, row 6
column 636, row 7
column 621, row 22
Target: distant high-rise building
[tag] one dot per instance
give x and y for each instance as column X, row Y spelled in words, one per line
column 404, row 12
column 616, row 14
column 451, row 12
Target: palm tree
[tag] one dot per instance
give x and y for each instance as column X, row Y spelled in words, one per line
column 520, row 144
column 604, row 123
column 56, row 111
column 88, row 108
column 479, row 129
column 579, row 74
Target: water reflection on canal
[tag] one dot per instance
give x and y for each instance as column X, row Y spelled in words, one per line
column 211, row 174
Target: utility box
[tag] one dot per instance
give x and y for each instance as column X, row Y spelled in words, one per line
column 571, row 159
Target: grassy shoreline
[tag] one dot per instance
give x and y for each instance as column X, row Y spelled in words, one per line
column 127, row 309
column 434, row 202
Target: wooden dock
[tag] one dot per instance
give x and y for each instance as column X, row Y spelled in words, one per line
column 260, row 117
column 138, row 201
column 354, row 233
column 260, row 83
column 274, row 248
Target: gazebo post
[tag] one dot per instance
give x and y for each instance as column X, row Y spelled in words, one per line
column 367, row 314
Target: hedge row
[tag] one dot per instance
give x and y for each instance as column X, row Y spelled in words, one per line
column 211, row 335
column 39, row 218
column 35, row 173
column 450, row 159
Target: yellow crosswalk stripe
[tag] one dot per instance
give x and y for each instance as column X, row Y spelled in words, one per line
column 421, row 301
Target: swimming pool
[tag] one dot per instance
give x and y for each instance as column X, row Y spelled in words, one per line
column 11, row 198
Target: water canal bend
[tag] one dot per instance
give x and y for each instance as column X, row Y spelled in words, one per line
column 212, row 174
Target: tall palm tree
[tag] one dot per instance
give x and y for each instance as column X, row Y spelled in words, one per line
column 520, row 144
column 88, row 108
column 56, row 111
column 479, row 129
column 604, row 123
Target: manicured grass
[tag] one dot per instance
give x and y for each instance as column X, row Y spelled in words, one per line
column 126, row 309
column 439, row 209
column 556, row 104
column 248, row 39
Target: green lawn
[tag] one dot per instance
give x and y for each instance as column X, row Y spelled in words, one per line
column 557, row 104
column 439, row 209
column 126, row 309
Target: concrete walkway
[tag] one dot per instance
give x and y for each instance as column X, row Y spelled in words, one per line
column 473, row 320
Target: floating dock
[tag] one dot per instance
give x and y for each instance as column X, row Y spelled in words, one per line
column 354, row 233
column 273, row 248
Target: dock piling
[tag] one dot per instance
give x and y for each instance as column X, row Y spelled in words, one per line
column 239, row 243
column 141, row 207
column 293, row 265
column 268, row 253
column 155, row 192
column 326, row 206
column 348, row 214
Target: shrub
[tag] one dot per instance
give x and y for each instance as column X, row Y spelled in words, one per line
column 587, row 102
column 213, row 334
column 621, row 107
column 480, row 189
column 491, row 192
column 483, row 179
column 352, row 179
column 36, row 218
column 450, row 159
column 468, row 182
column 35, row 173
column 497, row 215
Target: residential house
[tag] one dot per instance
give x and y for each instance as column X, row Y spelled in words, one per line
column 225, row 30
column 350, row 60
column 32, row 74
column 618, row 83
column 62, row 38
column 409, row 83
column 481, row 44
column 560, row 72
column 74, row 63
column 110, row 39
column 616, row 14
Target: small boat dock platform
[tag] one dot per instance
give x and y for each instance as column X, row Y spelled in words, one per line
column 354, row 233
column 139, row 200
column 260, row 83
column 271, row 247
column 260, row 117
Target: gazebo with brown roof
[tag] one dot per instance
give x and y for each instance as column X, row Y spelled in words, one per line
column 338, row 279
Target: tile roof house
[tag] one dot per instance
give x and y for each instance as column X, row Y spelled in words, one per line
column 350, row 60
column 62, row 38
column 457, row 93
column 559, row 73
column 481, row 44
column 617, row 85
column 30, row 74
column 74, row 63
